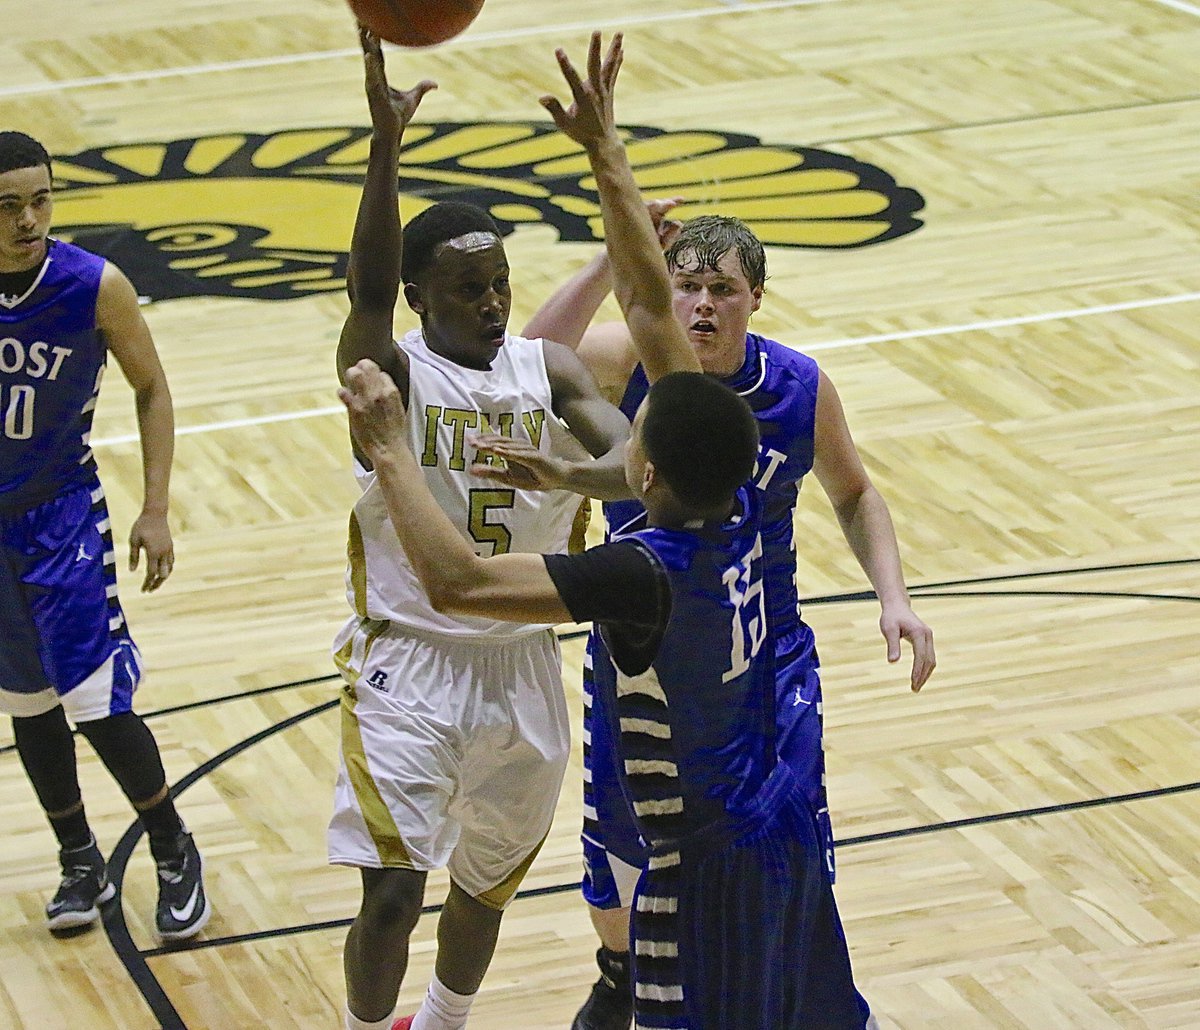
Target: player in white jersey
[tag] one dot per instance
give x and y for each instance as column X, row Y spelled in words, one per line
column 454, row 730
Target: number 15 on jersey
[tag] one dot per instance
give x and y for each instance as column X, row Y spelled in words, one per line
column 744, row 582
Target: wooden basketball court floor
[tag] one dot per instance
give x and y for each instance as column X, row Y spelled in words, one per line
column 1022, row 373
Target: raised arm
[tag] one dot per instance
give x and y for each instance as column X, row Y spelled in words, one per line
column 374, row 267
column 515, row 587
column 867, row 526
column 640, row 279
column 567, row 313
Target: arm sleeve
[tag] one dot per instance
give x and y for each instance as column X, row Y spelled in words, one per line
column 620, row 583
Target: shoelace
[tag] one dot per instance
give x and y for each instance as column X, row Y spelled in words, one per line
column 75, row 874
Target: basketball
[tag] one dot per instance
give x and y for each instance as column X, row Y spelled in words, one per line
column 416, row 22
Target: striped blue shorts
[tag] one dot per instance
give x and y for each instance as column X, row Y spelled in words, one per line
column 65, row 640
column 613, row 851
column 735, row 926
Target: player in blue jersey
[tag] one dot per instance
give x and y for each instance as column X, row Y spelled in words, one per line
column 718, row 273
column 735, row 884
column 66, row 655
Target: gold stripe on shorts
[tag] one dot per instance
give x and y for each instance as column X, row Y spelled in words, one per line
column 500, row 895
column 380, row 824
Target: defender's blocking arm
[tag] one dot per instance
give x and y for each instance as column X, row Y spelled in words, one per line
column 641, row 284
column 568, row 312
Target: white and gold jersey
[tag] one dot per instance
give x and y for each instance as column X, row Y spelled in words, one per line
column 447, row 404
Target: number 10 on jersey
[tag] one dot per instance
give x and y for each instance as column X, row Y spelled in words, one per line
column 16, row 406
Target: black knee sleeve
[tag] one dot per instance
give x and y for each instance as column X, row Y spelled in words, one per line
column 128, row 750
column 47, row 750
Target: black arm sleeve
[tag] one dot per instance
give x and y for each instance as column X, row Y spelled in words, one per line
column 618, row 583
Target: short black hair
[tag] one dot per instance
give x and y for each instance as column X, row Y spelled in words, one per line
column 710, row 238
column 435, row 225
column 701, row 436
column 18, row 150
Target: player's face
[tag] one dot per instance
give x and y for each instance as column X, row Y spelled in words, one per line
column 25, row 211
column 464, row 298
column 714, row 306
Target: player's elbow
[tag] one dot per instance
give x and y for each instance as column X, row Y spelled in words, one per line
column 446, row 598
column 450, row 591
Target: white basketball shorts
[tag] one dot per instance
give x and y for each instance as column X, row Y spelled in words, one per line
column 453, row 754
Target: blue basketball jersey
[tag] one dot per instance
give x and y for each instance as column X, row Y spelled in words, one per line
column 733, row 921
column 780, row 385
column 696, row 727
column 51, row 362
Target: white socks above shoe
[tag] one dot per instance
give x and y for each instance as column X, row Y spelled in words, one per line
column 442, row 1009
column 354, row 1023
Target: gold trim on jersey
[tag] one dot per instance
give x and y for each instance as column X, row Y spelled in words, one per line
column 351, row 657
column 577, row 543
column 356, row 555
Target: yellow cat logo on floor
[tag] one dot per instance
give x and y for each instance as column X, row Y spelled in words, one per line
column 268, row 216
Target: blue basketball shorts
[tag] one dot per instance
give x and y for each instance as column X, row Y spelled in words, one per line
column 800, row 723
column 64, row 638
column 735, row 926
column 613, row 850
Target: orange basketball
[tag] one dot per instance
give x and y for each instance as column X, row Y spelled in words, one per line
column 416, row 22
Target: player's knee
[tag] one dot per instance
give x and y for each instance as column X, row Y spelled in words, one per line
column 112, row 731
column 128, row 750
column 392, row 899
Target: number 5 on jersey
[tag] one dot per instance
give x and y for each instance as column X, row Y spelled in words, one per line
column 484, row 532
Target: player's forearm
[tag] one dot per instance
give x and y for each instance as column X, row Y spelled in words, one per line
column 442, row 559
column 603, row 479
column 868, row 529
column 156, row 429
column 568, row 312
column 375, row 248
column 640, row 280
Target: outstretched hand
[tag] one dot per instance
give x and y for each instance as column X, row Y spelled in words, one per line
column 668, row 229
column 521, row 465
column 391, row 109
column 589, row 119
column 376, row 409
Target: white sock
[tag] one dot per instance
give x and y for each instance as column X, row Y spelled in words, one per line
column 442, row 1009
column 354, row 1023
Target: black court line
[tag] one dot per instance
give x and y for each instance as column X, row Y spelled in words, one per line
column 115, row 926
column 849, row 842
column 1076, row 571
column 858, row 595
column 920, row 588
column 135, row 960
column 1060, row 593
column 843, row 598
